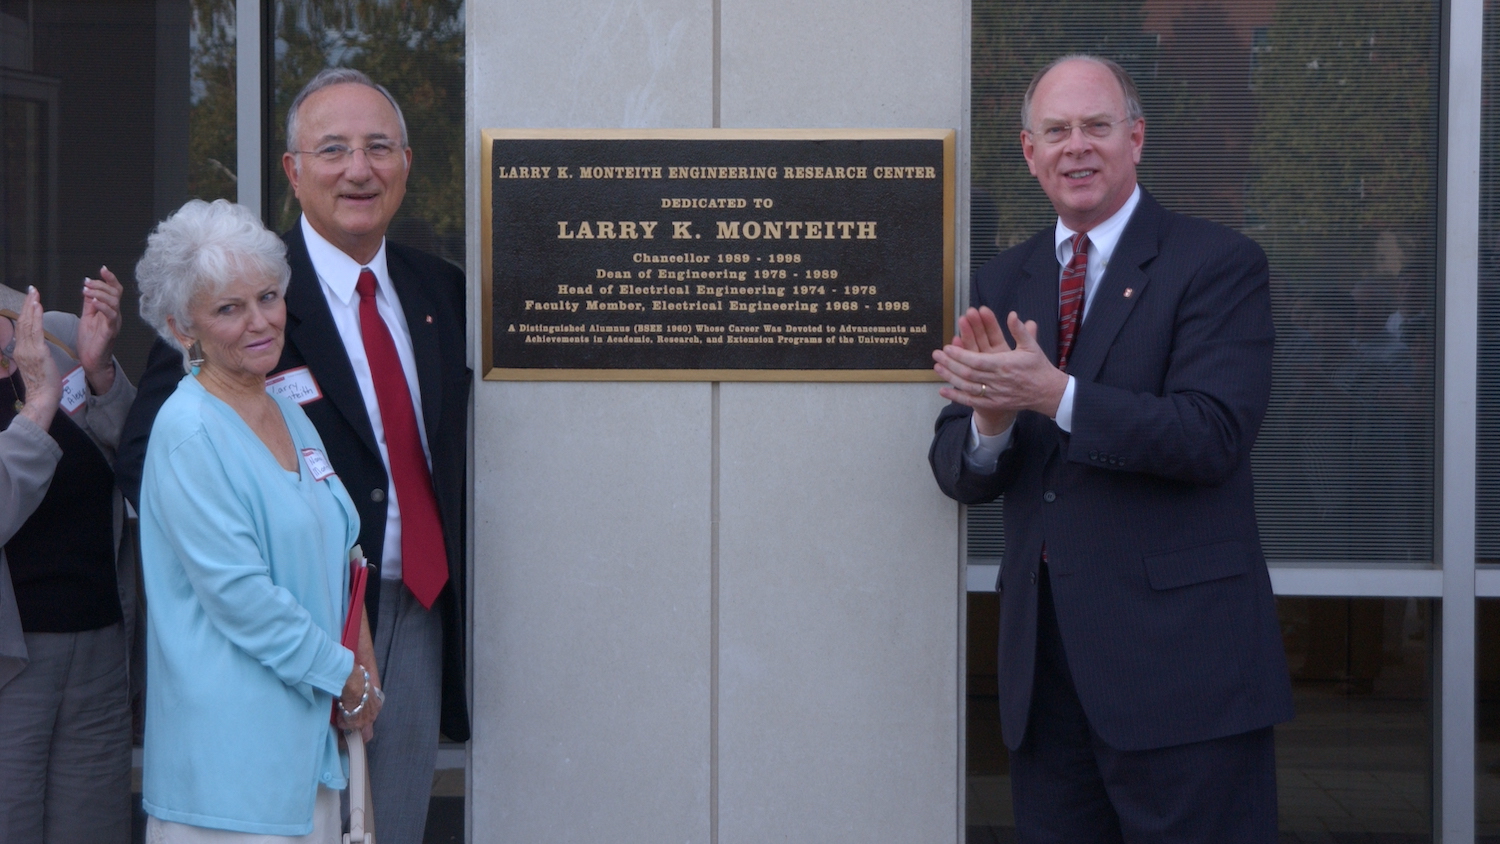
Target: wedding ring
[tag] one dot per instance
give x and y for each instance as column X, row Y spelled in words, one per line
column 982, row 389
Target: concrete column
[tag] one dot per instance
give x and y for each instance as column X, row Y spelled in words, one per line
column 712, row 612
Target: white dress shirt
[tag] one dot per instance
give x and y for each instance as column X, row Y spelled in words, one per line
column 338, row 274
column 983, row 452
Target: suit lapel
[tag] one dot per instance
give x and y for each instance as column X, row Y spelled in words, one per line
column 1138, row 245
column 1037, row 298
column 425, row 345
column 310, row 329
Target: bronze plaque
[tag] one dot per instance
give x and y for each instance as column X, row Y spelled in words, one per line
column 716, row 254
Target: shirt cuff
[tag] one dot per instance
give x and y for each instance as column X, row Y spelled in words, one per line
column 982, row 452
column 1064, row 417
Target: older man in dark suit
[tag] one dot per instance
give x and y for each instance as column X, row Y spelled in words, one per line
column 1141, row 664
column 375, row 353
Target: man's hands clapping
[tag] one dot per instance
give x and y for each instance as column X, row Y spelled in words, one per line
column 997, row 380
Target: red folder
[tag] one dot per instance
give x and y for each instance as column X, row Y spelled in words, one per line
column 359, row 573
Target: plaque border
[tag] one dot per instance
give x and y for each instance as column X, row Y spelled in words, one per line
column 486, row 257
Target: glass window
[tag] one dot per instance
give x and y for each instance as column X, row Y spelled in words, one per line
column 1487, row 501
column 94, row 115
column 1310, row 127
column 1487, row 727
column 987, row 793
column 213, row 154
column 416, row 50
column 1356, row 762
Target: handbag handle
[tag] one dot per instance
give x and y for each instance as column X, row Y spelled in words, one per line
column 361, row 823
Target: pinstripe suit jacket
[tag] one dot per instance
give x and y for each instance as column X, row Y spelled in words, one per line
column 1147, row 508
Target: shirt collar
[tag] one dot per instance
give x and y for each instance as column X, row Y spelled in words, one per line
column 1102, row 238
column 338, row 272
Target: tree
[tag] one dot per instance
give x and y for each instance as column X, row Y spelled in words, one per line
column 1011, row 41
column 416, row 49
column 211, row 122
column 1345, row 146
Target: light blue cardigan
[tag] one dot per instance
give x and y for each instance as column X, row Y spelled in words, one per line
column 246, row 569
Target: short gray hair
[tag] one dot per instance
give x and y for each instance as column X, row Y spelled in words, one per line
column 1133, row 110
column 327, row 78
column 200, row 249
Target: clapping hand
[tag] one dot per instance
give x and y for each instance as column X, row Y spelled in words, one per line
column 997, row 380
column 34, row 360
column 98, row 326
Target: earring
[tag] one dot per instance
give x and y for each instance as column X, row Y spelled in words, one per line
column 195, row 356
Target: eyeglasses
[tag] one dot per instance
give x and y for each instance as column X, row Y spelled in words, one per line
column 1056, row 133
column 378, row 152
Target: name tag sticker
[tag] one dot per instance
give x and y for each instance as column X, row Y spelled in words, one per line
column 317, row 464
column 294, row 384
column 75, row 390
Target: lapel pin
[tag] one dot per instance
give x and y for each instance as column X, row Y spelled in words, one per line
column 429, row 316
column 1128, row 291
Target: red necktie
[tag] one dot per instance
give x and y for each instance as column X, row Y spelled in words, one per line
column 424, row 556
column 1070, row 307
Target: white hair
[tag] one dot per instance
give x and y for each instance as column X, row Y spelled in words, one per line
column 200, row 249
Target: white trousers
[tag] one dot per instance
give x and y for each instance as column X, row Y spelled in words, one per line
column 326, row 829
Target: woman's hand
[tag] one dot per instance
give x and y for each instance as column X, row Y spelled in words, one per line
column 34, row 360
column 98, row 326
column 354, row 688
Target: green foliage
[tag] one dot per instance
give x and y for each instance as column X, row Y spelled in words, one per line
column 415, row 48
column 211, row 120
column 1345, row 144
column 1011, row 41
column 1321, row 133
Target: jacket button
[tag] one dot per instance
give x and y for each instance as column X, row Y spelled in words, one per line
column 377, row 495
column 1093, row 455
column 1033, row 577
column 1049, row 496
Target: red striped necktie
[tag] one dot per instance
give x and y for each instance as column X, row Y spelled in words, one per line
column 424, row 555
column 1070, row 300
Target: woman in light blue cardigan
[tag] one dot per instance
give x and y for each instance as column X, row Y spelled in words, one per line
column 245, row 540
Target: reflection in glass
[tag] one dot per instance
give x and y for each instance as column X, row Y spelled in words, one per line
column 27, row 187
column 1355, row 764
column 987, row 803
column 93, row 142
column 1487, row 729
column 1357, row 760
column 416, row 50
column 1311, row 127
column 212, row 152
column 1487, row 459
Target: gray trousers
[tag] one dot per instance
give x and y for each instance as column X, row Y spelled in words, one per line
column 65, row 741
column 403, row 754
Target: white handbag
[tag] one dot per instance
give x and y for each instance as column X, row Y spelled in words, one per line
column 361, row 820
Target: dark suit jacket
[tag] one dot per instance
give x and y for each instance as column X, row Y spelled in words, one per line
column 433, row 298
column 1147, row 510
